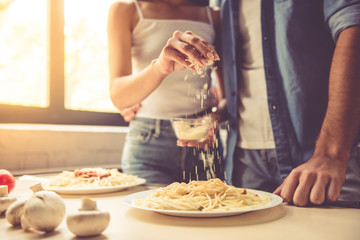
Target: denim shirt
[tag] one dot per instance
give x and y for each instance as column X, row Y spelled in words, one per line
column 299, row 38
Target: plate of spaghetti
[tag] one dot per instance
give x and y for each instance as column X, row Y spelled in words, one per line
column 91, row 181
column 212, row 198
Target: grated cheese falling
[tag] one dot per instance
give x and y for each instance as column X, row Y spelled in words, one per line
column 199, row 69
column 207, row 157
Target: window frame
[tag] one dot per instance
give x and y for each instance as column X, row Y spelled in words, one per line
column 55, row 112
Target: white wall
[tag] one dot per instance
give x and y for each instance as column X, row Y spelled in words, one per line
column 29, row 148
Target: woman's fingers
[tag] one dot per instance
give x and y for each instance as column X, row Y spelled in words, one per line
column 187, row 49
column 202, row 46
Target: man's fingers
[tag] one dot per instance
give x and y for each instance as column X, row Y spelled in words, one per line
column 129, row 117
column 318, row 191
column 130, row 112
column 279, row 189
column 302, row 192
column 209, row 142
column 135, row 107
column 182, row 143
column 289, row 187
column 334, row 189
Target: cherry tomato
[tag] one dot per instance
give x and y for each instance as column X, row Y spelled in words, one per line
column 6, row 178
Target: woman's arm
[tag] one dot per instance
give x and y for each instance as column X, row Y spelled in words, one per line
column 220, row 114
column 126, row 88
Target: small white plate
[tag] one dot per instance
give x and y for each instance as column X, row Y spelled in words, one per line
column 65, row 190
column 275, row 200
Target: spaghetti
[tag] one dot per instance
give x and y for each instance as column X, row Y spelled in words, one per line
column 92, row 178
column 211, row 195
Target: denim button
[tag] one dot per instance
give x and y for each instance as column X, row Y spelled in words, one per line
column 274, row 107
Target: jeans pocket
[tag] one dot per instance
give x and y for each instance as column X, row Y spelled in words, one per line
column 139, row 136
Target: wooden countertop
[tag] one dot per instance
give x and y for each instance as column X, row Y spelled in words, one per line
column 280, row 222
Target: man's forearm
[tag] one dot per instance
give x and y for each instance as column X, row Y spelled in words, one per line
column 342, row 119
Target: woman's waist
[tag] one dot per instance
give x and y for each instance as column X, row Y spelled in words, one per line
column 168, row 107
column 167, row 115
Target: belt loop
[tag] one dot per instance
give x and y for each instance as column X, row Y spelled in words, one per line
column 157, row 128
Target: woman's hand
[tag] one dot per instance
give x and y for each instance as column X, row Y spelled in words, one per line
column 182, row 47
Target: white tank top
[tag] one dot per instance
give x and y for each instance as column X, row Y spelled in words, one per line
column 183, row 92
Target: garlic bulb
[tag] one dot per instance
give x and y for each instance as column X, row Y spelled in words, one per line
column 89, row 221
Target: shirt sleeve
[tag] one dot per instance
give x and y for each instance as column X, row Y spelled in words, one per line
column 341, row 14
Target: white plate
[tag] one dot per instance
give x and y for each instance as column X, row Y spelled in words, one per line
column 275, row 200
column 64, row 190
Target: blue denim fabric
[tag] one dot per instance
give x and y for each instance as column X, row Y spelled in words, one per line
column 150, row 152
column 258, row 169
column 298, row 41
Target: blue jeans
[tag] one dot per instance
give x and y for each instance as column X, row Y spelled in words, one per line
column 150, row 152
column 257, row 169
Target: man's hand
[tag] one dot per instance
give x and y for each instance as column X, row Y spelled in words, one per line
column 318, row 180
column 129, row 113
column 321, row 177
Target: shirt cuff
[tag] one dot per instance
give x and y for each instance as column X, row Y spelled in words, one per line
column 344, row 18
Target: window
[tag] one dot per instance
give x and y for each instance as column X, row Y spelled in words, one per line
column 53, row 62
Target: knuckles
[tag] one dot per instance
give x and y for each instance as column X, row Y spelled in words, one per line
column 194, row 40
column 177, row 34
column 167, row 49
column 205, row 42
column 187, row 47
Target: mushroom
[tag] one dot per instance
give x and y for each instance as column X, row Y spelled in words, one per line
column 15, row 211
column 5, row 200
column 89, row 220
column 43, row 211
